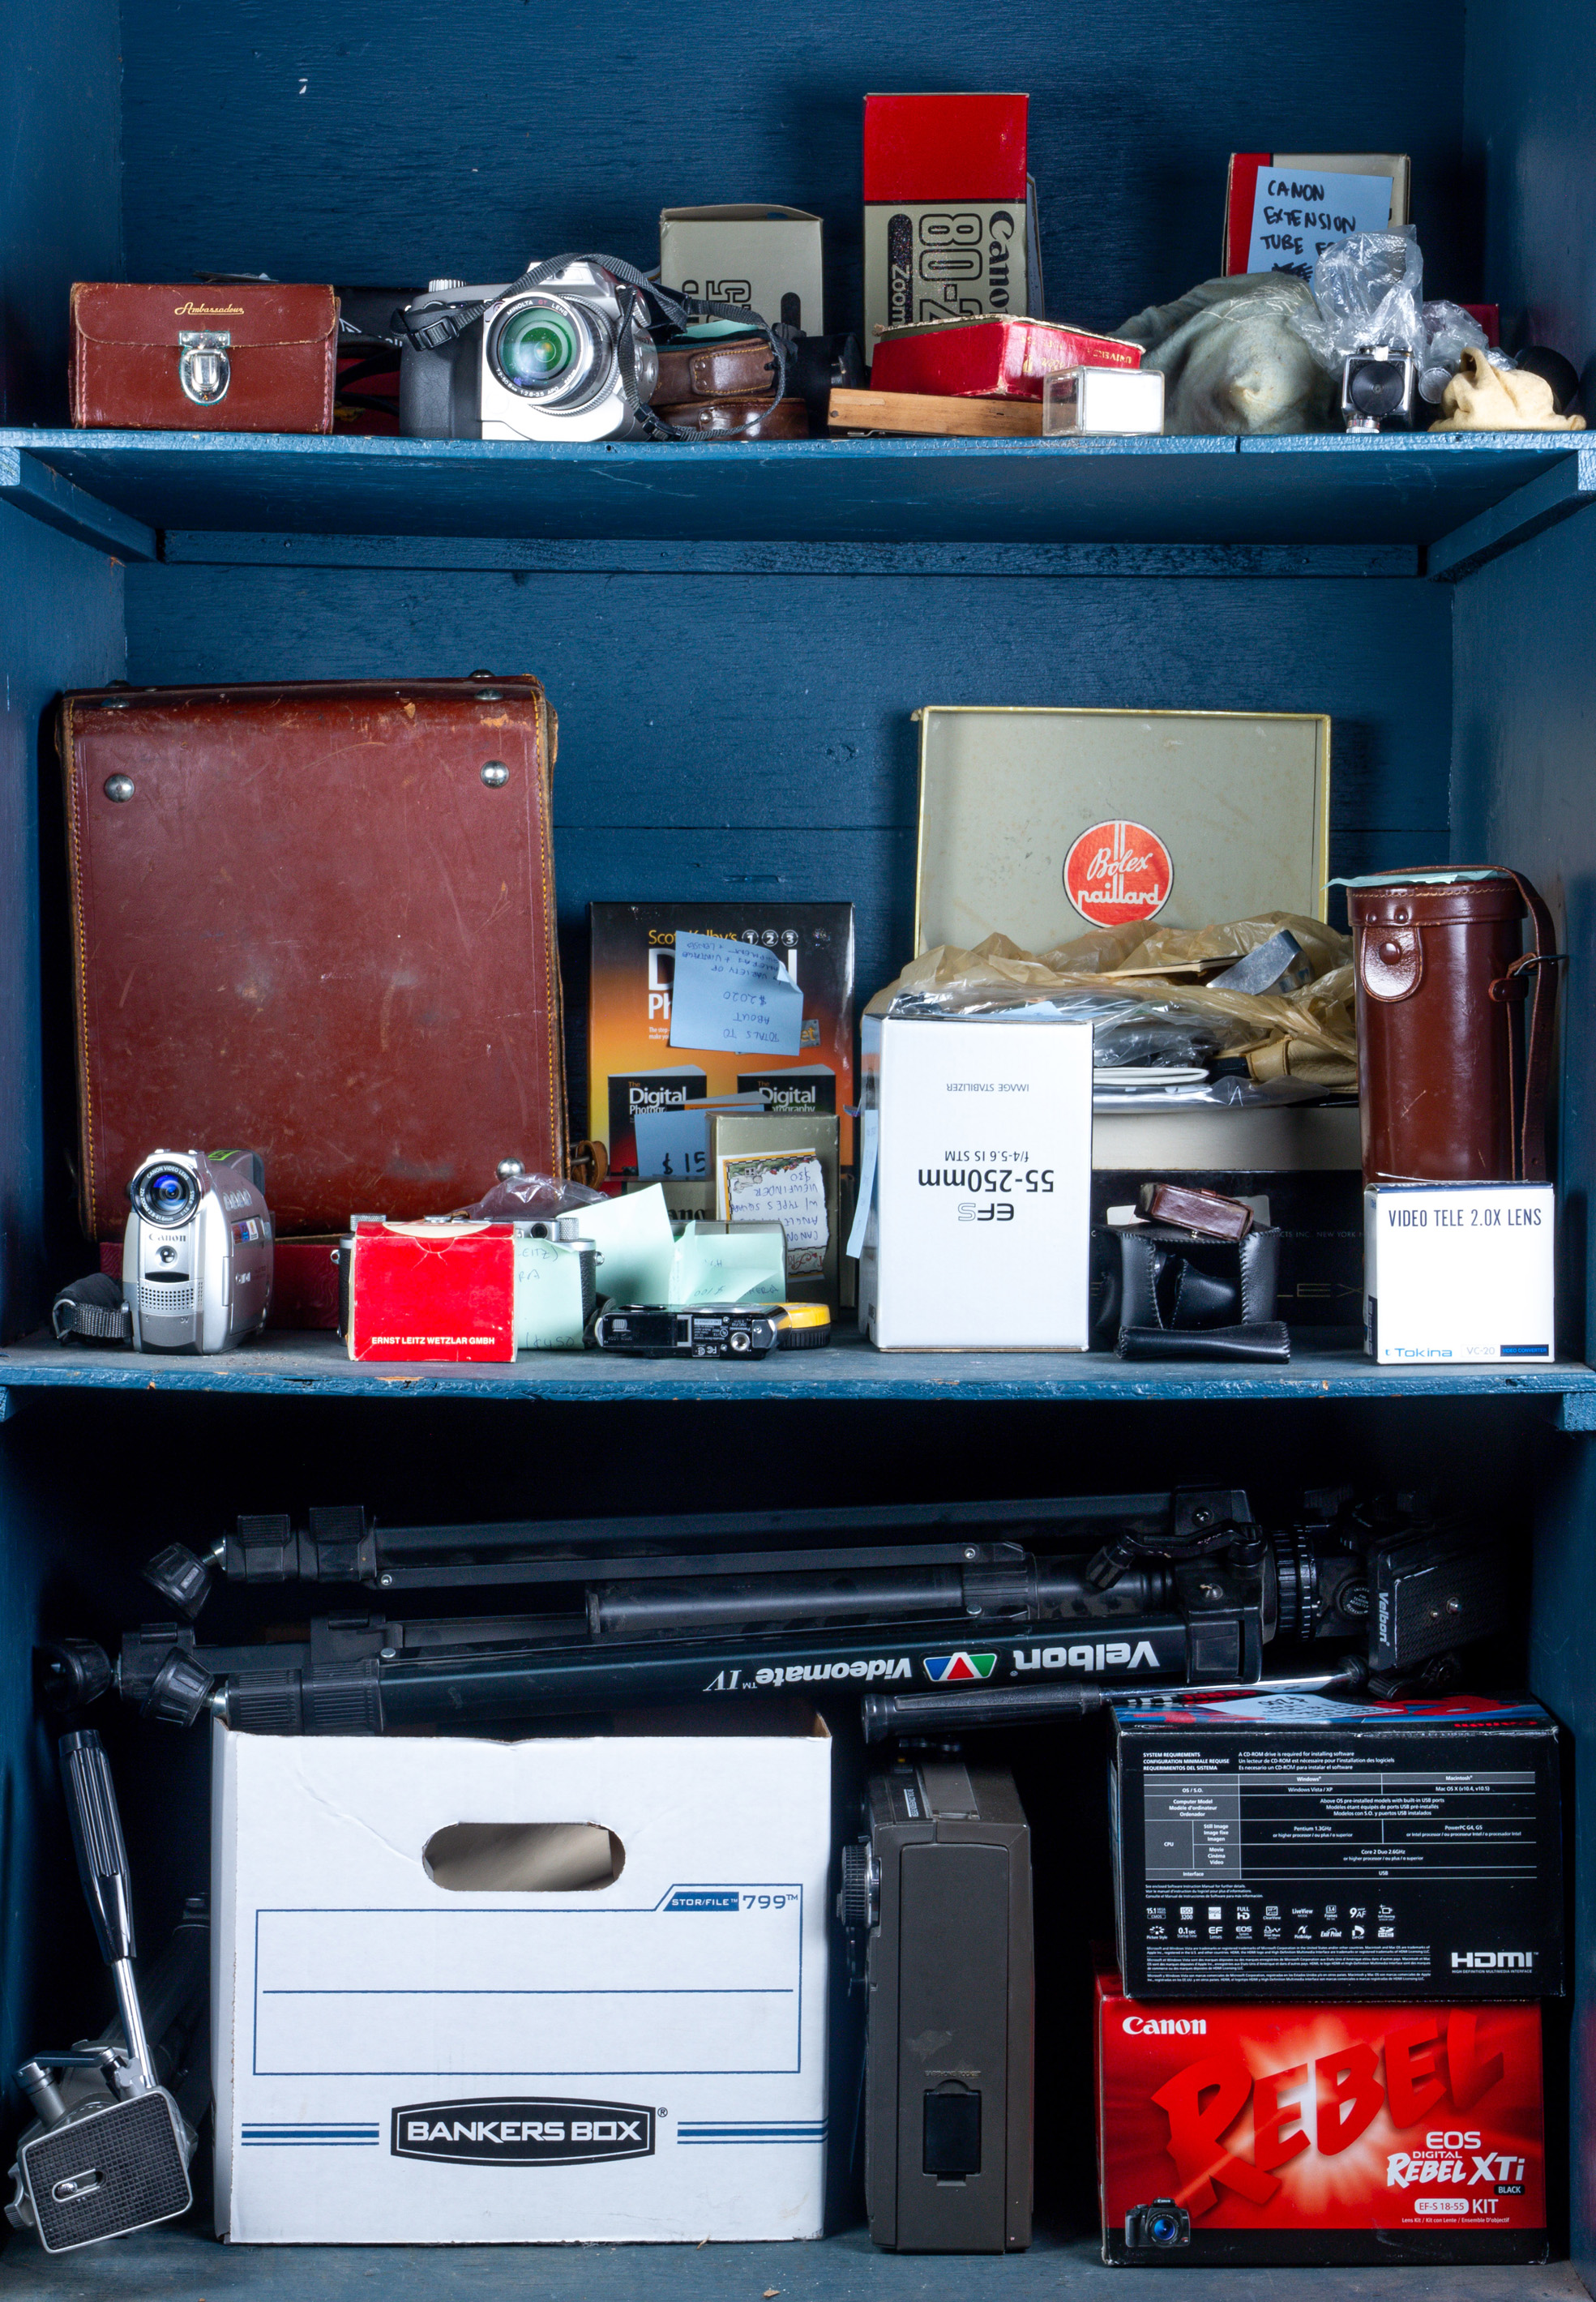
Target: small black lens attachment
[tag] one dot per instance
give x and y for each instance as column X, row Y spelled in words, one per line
column 1377, row 391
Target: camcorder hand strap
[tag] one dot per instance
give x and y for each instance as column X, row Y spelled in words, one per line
column 445, row 325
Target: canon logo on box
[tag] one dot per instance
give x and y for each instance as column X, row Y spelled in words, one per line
column 1164, row 2026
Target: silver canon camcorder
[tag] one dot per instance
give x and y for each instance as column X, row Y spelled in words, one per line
column 197, row 1255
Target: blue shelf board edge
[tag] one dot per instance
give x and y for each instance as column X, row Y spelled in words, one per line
column 155, row 2265
column 306, row 1365
column 1311, row 488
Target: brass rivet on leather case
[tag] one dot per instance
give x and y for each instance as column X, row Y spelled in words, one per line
column 494, row 773
column 118, row 787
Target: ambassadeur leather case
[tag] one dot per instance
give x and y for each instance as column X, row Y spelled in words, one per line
column 1318, row 2134
column 319, row 920
column 259, row 357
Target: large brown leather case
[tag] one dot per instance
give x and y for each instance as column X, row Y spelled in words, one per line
column 1451, row 1070
column 318, row 921
column 260, row 357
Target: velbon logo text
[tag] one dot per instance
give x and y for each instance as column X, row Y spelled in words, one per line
column 527, row 2131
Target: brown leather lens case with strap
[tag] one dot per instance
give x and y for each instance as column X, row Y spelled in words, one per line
column 1454, row 1029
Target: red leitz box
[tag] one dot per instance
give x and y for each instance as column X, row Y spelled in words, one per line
column 632, row 1066
column 1318, row 2134
column 417, row 1291
column 990, row 358
column 945, row 214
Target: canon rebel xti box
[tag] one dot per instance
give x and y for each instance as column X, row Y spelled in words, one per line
column 634, row 1069
column 1285, row 1845
column 975, row 1186
column 469, row 1991
column 1320, row 2134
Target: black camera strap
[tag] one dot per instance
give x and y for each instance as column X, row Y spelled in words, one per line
column 432, row 330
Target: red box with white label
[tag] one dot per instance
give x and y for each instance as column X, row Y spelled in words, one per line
column 1321, row 2134
column 990, row 358
column 421, row 1291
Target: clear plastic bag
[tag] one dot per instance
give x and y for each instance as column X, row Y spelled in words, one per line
column 1368, row 291
column 530, row 1198
column 1304, row 1031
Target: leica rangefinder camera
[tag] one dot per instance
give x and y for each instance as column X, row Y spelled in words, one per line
column 713, row 1330
column 197, row 1255
column 545, row 364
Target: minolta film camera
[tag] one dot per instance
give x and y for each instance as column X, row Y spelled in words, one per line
column 1379, row 387
column 558, row 361
column 1157, row 2228
column 197, row 1255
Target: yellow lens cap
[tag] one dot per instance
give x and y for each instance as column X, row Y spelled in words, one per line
column 802, row 1326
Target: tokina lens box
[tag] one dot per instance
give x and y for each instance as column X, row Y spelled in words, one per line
column 1317, row 2133
column 944, row 209
column 632, row 1065
column 562, row 1989
column 1459, row 1271
column 1288, row 1846
column 977, row 1236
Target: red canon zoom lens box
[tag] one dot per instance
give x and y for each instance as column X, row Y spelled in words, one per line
column 990, row 358
column 1321, row 2134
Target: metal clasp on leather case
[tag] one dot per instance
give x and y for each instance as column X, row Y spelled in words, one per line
column 203, row 367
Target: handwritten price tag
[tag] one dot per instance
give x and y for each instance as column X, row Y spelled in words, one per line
column 733, row 997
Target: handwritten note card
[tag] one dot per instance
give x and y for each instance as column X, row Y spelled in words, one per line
column 1297, row 214
column 734, row 997
column 787, row 1187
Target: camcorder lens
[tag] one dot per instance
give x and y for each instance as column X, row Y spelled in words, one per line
column 166, row 1195
column 536, row 348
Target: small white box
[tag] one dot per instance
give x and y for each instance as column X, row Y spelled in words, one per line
column 765, row 258
column 1457, row 1271
column 979, row 1235
column 1111, row 399
column 562, row 2043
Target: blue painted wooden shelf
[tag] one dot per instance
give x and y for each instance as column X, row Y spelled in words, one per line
column 163, row 2265
column 1465, row 496
column 305, row 1366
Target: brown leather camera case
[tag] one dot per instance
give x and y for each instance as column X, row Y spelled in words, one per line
column 317, row 921
column 1454, row 1029
column 262, row 358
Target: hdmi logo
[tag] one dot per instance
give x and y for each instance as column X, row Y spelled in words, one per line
column 1493, row 1962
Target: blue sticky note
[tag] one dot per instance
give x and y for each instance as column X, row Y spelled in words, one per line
column 673, row 1144
column 734, row 998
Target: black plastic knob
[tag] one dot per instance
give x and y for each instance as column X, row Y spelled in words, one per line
column 73, row 1672
column 181, row 1579
column 178, row 1691
column 855, row 1902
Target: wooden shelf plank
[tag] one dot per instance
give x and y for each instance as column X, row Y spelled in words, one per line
column 1327, row 490
column 304, row 1366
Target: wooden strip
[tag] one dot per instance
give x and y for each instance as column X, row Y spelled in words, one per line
column 933, row 415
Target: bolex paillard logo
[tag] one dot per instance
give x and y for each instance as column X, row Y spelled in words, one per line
column 522, row 2131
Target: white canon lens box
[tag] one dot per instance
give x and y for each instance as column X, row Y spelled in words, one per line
column 468, row 1990
column 983, row 1187
column 1457, row 1271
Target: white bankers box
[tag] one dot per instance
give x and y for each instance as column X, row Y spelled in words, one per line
column 1459, row 1271
column 470, row 1991
column 983, row 1187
